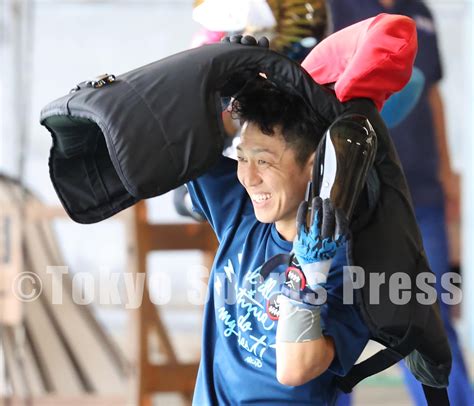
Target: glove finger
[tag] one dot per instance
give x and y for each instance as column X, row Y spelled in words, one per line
column 301, row 217
column 225, row 39
column 316, row 213
column 264, row 42
column 342, row 225
column 248, row 40
column 329, row 221
column 236, row 39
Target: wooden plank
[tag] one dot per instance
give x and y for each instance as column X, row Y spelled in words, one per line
column 171, row 378
column 152, row 319
column 27, row 381
column 10, row 254
column 52, row 248
column 11, row 264
column 142, row 240
column 133, row 339
column 13, row 367
column 59, row 372
column 166, row 237
column 32, row 372
column 72, row 326
column 117, row 359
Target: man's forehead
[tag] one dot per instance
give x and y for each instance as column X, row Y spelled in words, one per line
column 255, row 149
column 255, row 141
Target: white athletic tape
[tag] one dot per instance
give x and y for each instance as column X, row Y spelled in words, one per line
column 298, row 322
column 316, row 273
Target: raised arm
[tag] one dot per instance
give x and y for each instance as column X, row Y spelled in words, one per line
column 303, row 350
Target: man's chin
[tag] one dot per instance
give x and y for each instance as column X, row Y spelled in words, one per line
column 264, row 217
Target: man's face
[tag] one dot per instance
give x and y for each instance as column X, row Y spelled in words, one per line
column 275, row 182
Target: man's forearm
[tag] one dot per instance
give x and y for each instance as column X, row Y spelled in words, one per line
column 298, row 363
column 302, row 351
column 448, row 178
column 437, row 109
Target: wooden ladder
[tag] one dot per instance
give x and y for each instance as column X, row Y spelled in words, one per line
column 144, row 238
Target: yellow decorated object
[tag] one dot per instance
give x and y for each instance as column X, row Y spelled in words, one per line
column 296, row 20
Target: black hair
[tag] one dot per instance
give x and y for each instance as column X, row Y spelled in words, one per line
column 263, row 103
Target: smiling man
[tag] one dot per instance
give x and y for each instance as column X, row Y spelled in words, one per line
column 248, row 356
column 273, row 178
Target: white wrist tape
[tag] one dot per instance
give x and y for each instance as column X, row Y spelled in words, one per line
column 316, row 273
column 298, row 322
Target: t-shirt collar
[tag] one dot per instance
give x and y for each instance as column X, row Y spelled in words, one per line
column 278, row 239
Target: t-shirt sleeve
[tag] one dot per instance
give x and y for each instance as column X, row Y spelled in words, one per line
column 342, row 322
column 219, row 196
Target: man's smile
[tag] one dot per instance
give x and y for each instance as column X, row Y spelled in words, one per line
column 260, row 197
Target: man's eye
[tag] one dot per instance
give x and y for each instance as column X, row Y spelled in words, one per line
column 241, row 159
column 262, row 162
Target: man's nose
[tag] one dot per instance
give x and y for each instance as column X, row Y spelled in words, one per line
column 251, row 175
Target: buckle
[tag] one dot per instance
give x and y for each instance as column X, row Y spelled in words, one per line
column 101, row 81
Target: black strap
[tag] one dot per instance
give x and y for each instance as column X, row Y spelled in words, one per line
column 436, row 396
column 383, row 359
column 390, row 355
column 371, row 366
column 273, row 262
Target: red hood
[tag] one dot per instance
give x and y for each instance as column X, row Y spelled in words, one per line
column 371, row 59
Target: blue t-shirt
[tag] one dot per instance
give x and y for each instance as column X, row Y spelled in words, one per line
column 238, row 364
column 414, row 137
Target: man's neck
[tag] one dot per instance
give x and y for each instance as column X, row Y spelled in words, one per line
column 286, row 229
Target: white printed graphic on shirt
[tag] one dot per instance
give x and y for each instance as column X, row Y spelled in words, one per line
column 252, row 328
column 229, row 270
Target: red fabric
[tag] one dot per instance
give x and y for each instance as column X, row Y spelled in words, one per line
column 371, row 59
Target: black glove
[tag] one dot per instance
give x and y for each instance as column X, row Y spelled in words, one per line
column 238, row 81
column 247, row 40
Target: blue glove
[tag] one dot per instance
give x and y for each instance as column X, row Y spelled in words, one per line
column 299, row 305
column 316, row 245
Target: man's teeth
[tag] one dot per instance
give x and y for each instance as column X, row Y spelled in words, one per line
column 261, row 197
